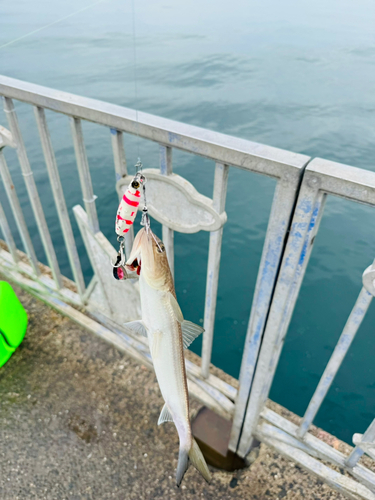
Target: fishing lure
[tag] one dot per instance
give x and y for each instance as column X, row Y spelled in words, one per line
column 126, row 214
column 128, row 207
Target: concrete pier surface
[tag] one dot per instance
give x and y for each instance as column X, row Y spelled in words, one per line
column 78, row 420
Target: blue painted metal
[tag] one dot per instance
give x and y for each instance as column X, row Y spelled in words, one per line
column 305, row 223
column 284, row 199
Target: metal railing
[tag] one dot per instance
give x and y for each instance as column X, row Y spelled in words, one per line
column 321, row 179
column 294, row 220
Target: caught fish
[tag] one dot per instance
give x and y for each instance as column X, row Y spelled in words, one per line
column 128, row 206
column 168, row 335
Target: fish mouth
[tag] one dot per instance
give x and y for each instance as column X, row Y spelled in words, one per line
column 134, row 266
column 143, row 254
column 134, row 261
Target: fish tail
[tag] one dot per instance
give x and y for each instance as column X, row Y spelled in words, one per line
column 183, row 464
column 196, row 458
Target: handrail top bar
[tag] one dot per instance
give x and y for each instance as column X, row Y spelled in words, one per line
column 343, row 180
column 219, row 147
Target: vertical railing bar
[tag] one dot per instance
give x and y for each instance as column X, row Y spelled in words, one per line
column 167, row 232
column 213, row 267
column 18, row 214
column 118, row 154
column 352, row 325
column 304, row 226
column 32, row 191
column 356, row 454
column 58, row 195
column 121, row 171
column 84, row 173
column 282, row 205
column 8, row 235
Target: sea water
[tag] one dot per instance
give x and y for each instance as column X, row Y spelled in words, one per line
column 294, row 75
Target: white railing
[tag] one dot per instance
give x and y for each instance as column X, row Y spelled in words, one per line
column 321, row 178
column 297, row 207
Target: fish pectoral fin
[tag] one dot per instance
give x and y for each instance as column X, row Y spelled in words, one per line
column 138, row 327
column 190, row 331
column 175, row 307
column 165, row 415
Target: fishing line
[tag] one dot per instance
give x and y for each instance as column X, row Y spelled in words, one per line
column 138, row 165
column 51, row 24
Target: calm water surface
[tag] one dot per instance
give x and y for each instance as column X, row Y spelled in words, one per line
column 295, row 75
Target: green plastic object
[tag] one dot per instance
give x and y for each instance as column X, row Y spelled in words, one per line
column 13, row 322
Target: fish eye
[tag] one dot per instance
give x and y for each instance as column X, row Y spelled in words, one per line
column 160, row 248
column 135, row 184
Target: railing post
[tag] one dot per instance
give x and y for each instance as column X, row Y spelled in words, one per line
column 213, row 267
column 118, row 154
column 58, row 195
column 84, row 173
column 32, row 191
column 168, row 233
column 304, row 227
column 18, row 214
column 282, row 206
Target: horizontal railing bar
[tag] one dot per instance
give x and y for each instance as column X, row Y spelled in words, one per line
column 224, row 402
column 220, row 147
column 205, row 398
column 32, row 191
column 48, row 285
column 59, row 198
column 228, row 390
column 349, row 182
column 18, row 214
column 8, row 235
column 356, row 454
column 271, row 431
column 352, row 325
column 352, row 489
column 324, row 450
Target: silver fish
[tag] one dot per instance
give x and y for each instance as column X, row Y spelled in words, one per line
column 168, row 334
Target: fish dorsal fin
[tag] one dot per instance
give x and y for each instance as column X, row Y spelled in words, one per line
column 138, row 327
column 175, row 307
column 190, row 331
column 165, row 415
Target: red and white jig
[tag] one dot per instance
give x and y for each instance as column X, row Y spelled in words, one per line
column 128, row 207
column 126, row 214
